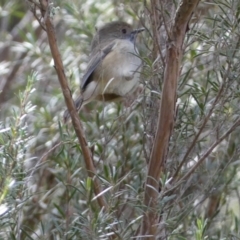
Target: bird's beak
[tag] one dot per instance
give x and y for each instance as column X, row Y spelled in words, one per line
column 134, row 34
column 136, row 31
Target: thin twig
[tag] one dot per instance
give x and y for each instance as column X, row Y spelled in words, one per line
column 217, row 98
column 206, row 154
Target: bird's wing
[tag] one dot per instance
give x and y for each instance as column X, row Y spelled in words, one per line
column 95, row 60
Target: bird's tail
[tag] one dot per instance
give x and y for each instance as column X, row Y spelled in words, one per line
column 78, row 104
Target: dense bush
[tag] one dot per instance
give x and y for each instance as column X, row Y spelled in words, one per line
column 45, row 191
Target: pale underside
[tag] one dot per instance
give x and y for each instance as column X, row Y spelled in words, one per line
column 116, row 76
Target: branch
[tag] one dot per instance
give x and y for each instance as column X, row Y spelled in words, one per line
column 217, row 98
column 46, row 15
column 205, row 155
column 166, row 116
column 4, row 53
column 194, row 141
column 11, row 77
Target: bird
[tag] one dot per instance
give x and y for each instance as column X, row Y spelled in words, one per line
column 113, row 70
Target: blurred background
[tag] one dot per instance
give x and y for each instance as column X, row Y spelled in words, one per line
column 44, row 189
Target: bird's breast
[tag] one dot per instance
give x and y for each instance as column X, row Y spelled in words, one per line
column 119, row 71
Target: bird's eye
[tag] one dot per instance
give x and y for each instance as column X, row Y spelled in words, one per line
column 124, row 30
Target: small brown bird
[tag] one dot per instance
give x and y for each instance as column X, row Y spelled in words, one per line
column 114, row 65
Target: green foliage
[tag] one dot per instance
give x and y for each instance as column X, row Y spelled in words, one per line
column 45, row 191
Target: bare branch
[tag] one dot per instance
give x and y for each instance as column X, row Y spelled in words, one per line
column 166, row 115
column 46, row 15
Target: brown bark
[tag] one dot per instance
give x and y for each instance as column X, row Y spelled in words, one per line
column 46, row 15
column 165, row 123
